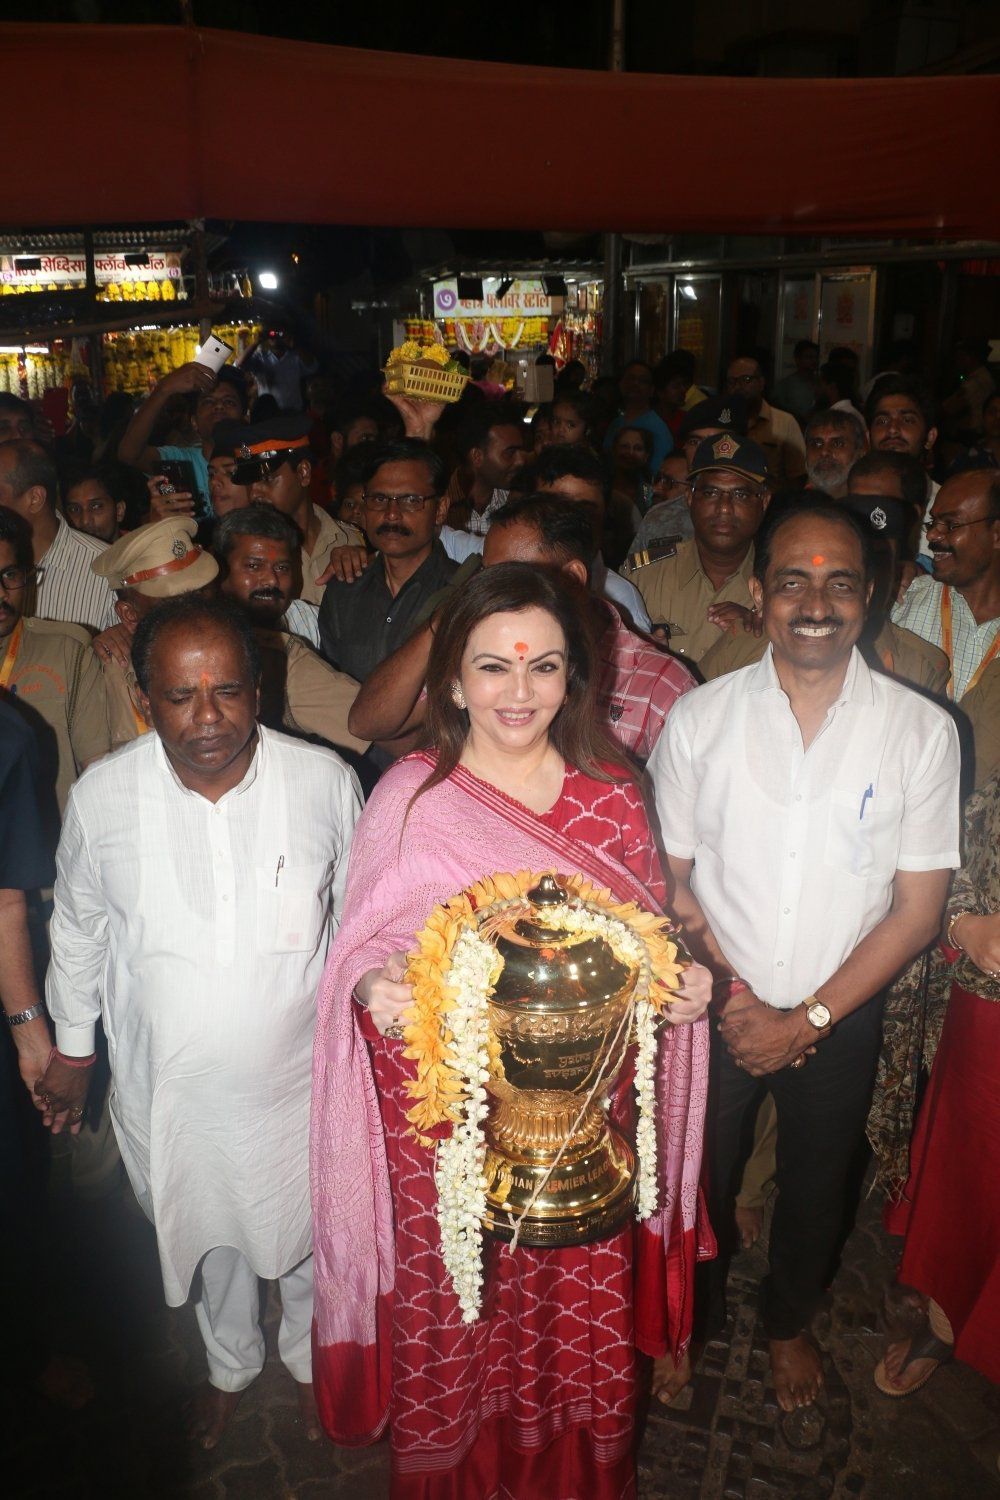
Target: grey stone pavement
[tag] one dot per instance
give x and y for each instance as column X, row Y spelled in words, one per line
column 728, row 1440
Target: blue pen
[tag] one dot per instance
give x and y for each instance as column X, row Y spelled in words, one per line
column 869, row 792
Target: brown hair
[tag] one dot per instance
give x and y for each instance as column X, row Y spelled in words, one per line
column 509, row 588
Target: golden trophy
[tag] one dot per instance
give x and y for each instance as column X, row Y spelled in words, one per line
column 560, row 1027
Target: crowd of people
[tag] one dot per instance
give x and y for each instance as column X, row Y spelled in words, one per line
column 282, row 669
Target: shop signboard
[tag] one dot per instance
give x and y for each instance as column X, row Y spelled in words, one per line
column 522, row 298
column 69, row 267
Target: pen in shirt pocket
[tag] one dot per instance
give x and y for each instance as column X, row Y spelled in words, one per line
column 278, row 869
column 869, row 792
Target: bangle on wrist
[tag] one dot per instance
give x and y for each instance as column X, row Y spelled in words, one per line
column 951, row 940
column 72, row 1062
column 22, row 1016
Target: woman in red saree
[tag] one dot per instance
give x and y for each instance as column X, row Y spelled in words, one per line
column 537, row 1397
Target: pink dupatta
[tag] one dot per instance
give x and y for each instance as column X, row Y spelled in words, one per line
column 456, row 833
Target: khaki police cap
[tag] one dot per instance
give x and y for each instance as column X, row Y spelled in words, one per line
column 159, row 560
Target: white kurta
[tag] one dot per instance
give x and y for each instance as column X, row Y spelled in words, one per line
column 199, row 931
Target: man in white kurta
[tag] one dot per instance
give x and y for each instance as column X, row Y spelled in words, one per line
column 198, row 928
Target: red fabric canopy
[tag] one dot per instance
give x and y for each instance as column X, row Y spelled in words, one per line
column 146, row 123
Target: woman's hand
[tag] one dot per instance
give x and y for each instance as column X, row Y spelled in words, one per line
column 735, row 618
column 384, row 993
column 980, row 938
column 691, row 1001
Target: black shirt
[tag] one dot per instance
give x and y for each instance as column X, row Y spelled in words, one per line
column 25, row 857
column 360, row 623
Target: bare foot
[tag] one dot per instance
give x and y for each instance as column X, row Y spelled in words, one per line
column 210, row 1413
column 670, row 1379
column 307, row 1411
column 66, row 1382
column 797, row 1371
column 750, row 1223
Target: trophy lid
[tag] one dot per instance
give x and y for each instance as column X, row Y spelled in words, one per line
column 548, row 969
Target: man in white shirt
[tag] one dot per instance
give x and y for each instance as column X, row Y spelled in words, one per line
column 66, row 588
column 199, row 878
column 959, row 608
column 809, row 810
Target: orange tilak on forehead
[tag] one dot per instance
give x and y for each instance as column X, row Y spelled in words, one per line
column 818, row 560
column 521, row 647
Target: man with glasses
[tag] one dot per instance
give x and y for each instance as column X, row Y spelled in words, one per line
column 776, row 431
column 274, row 461
column 361, row 622
column 49, row 674
column 729, row 495
column 958, row 608
column 668, row 519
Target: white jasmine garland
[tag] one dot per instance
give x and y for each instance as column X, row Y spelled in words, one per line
column 458, row 1168
column 459, row 1164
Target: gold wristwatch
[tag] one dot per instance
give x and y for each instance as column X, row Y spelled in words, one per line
column 817, row 1014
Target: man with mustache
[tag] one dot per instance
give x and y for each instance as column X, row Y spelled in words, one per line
column 404, row 505
column 273, row 459
column 686, row 593
column 259, row 555
column 958, row 608
column 835, row 440
column 901, row 419
column 809, row 812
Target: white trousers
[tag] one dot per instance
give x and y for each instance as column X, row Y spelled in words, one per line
column 228, row 1313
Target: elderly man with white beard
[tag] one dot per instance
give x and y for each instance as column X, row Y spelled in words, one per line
column 835, row 440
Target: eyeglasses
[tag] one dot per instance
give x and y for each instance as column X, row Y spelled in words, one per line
column 713, row 493
column 405, row 502
column 947, row 525
column 13, row 580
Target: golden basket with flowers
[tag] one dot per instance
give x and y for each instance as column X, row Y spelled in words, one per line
column 424, row 372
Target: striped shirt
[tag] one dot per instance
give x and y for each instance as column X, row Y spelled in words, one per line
column 920, row 612
column 67, row 589
column 639, row 684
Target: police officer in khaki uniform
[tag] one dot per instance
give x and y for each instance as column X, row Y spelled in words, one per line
column 728, row 498
column 48, row 673
column 274, row 462
column 258, row 553
column 155, row 562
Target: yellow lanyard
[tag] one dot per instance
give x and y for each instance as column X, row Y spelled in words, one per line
column 947, row 642
column 13, row 646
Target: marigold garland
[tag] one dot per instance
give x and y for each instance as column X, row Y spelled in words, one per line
column 449, row 1038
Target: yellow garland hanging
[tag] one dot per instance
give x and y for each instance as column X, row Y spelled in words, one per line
column 437, row 1089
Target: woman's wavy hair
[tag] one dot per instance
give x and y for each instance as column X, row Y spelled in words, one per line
column 509, row 588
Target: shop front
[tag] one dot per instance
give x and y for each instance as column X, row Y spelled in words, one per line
column 715, row 299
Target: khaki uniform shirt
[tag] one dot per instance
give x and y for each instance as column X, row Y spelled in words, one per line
column 897, row 651
column 56, row 686
column 300, row 692
column 331, row 534
column 677, row 591
column 780, row 436
column 981, row 706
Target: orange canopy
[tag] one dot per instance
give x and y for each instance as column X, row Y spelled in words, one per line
column 146, row 123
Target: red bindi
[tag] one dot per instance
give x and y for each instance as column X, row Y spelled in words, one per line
column 818, row 561
column 521, row 648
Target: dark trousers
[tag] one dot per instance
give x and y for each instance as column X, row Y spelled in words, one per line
column 822, row 1108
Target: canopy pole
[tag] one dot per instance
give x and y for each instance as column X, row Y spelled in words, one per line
column 611, row 330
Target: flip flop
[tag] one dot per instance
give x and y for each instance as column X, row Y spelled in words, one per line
column 922, row 1346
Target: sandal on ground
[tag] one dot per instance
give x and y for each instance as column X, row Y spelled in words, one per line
column 923, row 1345
column 904, row 1312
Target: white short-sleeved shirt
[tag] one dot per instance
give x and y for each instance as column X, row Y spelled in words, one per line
column 795, row 851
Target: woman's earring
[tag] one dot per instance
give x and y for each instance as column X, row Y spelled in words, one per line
column 458, row 697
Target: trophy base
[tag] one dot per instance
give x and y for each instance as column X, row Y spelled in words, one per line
column 588, row 1197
